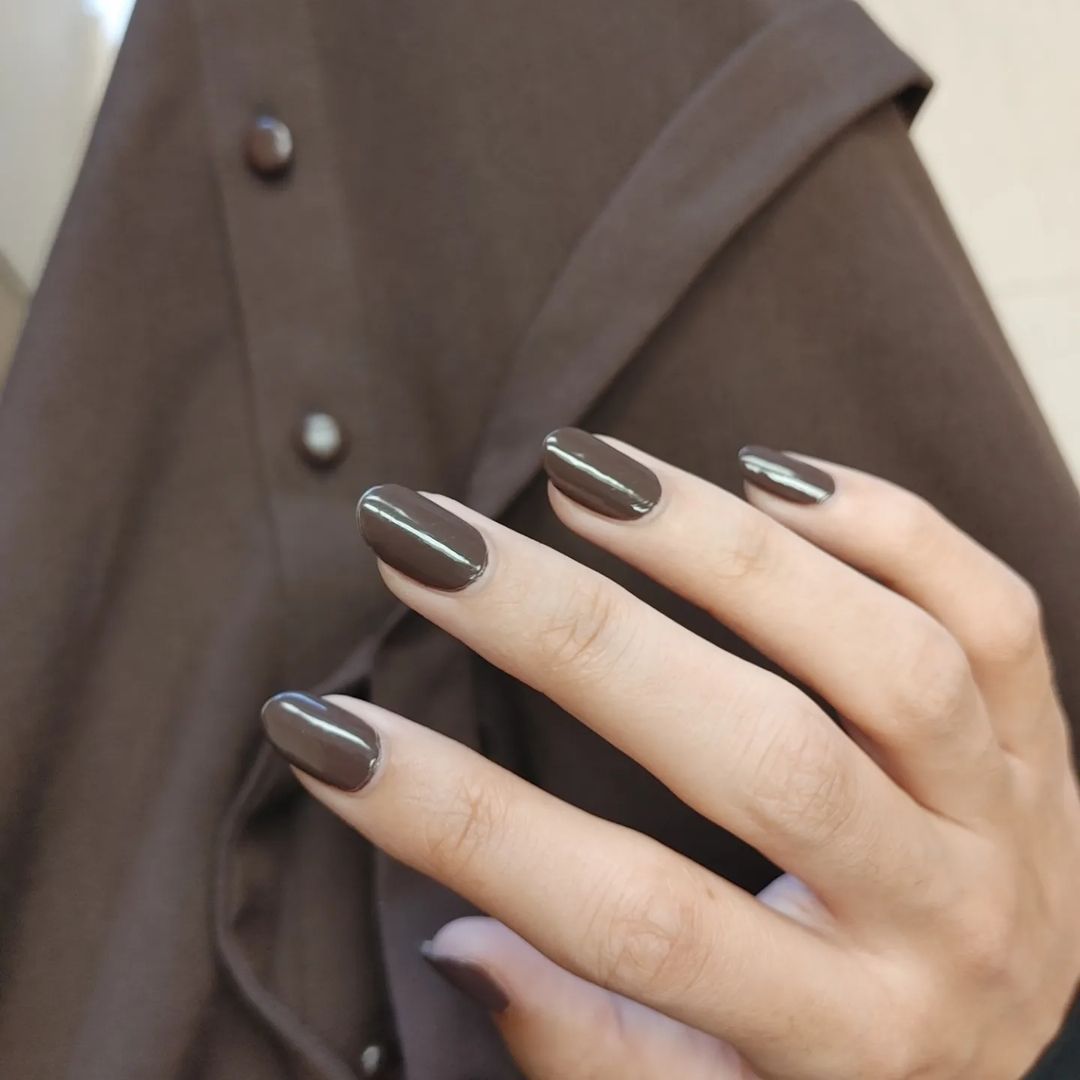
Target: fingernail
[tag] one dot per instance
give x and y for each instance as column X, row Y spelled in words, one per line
column 782, row 475
column 322, row 739
column 418, row 537
column 589, row 471
column 471, row 979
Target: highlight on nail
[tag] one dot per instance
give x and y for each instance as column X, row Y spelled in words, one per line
column 598, row 476
column 420, row 538
column 786, row 476
column 322, row 739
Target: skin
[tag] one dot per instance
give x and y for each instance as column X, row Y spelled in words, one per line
column 926, row 927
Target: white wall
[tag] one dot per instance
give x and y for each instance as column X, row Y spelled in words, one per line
column 1001, row 136
column 53, row 59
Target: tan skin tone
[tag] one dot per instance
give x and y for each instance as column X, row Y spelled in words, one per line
column 926, row 928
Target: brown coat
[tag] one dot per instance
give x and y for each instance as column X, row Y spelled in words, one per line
column 689, row 223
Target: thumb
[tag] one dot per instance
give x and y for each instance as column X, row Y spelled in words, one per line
column 558, row 1026
column 788, row 895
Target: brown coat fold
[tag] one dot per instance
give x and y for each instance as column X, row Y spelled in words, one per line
column 692, row 225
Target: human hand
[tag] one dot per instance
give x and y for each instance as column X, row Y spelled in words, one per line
column 927, row 923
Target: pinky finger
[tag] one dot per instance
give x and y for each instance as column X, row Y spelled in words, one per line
column 899, row 539
column 558, row 1026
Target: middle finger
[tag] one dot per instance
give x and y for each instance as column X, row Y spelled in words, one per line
column 892, row 671
column 740, row 745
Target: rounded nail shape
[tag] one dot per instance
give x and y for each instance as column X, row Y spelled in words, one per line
column 786, row 476
column 595, row 474
column 420, row 538
column 322, row 739
column 470, row 978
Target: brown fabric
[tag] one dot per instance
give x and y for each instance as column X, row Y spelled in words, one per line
column 693, row 225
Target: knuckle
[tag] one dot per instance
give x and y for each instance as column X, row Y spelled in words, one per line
column 748, row 551
column 613, row 1035
column 886, row 1057
column 1015, row 635
column 919, row 1042
column 472, row 822
column 797, row 779
column 649, row 933
column 588, row 633
column 933, row 681
column 985, row 936
column 908, row 524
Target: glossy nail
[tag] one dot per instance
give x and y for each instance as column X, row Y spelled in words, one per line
column 471, row 979
column 792, row 479
column 589, row 471
column 421, row 539
column 322, row 739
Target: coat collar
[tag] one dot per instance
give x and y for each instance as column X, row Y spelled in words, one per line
column 744, row 133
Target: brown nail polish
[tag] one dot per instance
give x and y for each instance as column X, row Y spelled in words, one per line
column 418, row 537
column 322, row 739
column 792, row 479
column 589, row 471
column 471, row 979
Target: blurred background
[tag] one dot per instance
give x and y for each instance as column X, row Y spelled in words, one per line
column 1000, row 136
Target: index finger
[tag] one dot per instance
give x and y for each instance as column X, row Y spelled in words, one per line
column 600, row 900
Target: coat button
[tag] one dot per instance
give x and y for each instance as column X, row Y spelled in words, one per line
column 269, row 147
column 321, row 440
column 376, row 1059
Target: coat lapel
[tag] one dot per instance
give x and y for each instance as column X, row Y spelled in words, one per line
column 758, row 118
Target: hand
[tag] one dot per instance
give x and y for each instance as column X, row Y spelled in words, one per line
column 927, row 926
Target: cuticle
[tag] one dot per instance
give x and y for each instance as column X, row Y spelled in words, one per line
column 378, row 766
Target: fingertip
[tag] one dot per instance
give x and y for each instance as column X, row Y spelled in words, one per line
column 460, row 953
column 474, row 936
column 333, row 743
